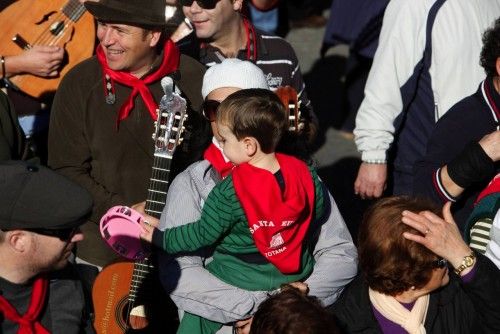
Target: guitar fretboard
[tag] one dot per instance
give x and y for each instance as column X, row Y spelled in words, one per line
column 73, row 10
column 158, row 186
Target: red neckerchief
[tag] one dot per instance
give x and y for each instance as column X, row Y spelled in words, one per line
column 493, row 187
column 28, row 323
column 251, row 41
column 277, row 220
column 251, row 48
column 169, row 64
column 214, row 155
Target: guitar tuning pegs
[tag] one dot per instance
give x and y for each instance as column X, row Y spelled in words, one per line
column 153, row 136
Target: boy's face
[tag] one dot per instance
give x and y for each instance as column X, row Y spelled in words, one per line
column 234, row 149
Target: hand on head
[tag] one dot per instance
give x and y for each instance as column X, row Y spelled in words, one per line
column 441, row 236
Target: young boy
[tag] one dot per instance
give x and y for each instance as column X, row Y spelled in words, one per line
column 258, row 217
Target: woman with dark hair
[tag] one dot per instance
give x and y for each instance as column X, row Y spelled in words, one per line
column 418, row 275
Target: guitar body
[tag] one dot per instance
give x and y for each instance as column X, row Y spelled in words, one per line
column 112, row 308
column 32, row 21
column 110, row 297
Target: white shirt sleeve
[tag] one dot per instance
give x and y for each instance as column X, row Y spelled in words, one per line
column 401, row 46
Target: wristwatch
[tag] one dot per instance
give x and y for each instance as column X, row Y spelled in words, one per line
column 467, row 262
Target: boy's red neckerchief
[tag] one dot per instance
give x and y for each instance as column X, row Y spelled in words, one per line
column 278, row 220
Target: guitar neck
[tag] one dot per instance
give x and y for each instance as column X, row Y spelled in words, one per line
column 73, row 10
column 158, row 185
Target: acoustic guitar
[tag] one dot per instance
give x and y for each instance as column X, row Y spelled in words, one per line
column 64, row 23
column 122, row 289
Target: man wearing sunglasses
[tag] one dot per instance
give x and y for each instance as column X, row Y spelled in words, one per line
column 104, row 110
column 40, row 215
column 225, row 33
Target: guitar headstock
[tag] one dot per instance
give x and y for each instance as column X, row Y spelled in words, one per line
column 288, row 95
column 169, row 127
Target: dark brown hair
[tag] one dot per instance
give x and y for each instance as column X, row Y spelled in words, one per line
column 291, row 312
column 257, row 113
column 392, row 264
column 491, row 49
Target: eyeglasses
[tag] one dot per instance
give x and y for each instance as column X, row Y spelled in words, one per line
column 441, row 263
column 210, row 109
column 205, row 4
column 65, row 234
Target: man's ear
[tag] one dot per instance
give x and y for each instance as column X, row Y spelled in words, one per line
column 251, row 146
column 497, row 65
column 155, row 38
column 18, row 240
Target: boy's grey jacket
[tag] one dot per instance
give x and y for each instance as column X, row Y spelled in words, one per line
column 195, row 290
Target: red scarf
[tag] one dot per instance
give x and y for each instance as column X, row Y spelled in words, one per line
column 278, row 221
column 28, row 323
column 214, row 155
column 169, row 64
column 493, row 187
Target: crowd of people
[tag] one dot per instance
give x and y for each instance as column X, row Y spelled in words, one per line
column 244, row 234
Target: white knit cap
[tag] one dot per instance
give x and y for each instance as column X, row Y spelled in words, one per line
column 233, row 72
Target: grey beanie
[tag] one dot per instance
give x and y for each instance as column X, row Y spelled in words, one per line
column 233, row 72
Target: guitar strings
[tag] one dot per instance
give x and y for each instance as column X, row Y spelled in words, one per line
column 74, row 10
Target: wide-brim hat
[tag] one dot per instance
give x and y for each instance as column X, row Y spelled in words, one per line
column 133, row 12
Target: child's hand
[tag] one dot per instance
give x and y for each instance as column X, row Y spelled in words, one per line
column 147, row 231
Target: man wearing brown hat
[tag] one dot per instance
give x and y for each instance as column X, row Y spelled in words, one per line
column 104, row 110
column 40, row 215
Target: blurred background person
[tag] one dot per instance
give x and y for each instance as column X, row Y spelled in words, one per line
column 463, row 150
column 412, row 84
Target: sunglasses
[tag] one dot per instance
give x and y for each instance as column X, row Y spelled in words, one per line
column 64, row 234
column 441, row 263
column 210, row 109
column 205, row 4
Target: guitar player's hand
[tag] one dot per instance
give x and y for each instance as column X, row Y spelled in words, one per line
column 147, row 231
column 140, row 207
column 40, row 60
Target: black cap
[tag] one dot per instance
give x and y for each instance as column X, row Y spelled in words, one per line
column 33, row 196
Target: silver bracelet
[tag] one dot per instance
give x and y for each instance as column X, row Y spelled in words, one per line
column 375, row 161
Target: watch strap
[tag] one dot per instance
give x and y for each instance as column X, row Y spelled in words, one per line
column 467, row 262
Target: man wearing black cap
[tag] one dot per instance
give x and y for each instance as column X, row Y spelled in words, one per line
column 103, row 112
column 40, row 215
